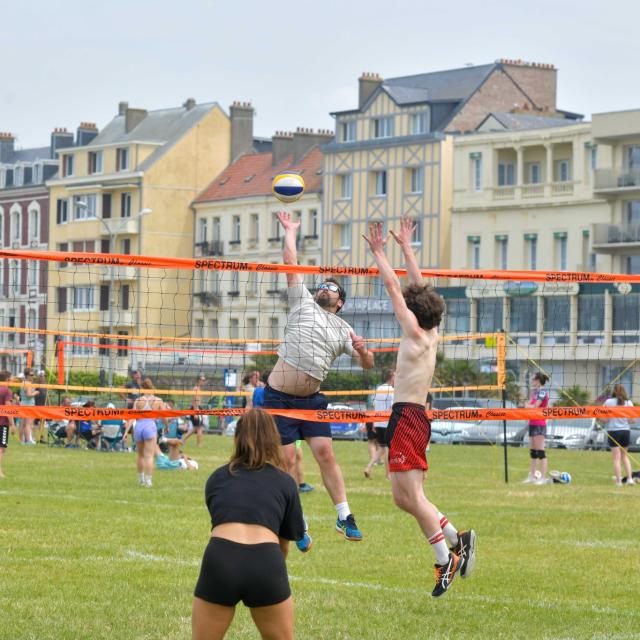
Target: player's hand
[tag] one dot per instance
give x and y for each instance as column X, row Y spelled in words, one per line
column 376, row 239
column 287, row 221
column 357, row 342
column 407, row 229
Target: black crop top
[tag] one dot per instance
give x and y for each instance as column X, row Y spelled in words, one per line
column 267, row 496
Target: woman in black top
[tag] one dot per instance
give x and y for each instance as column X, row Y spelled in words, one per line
column 255, row 511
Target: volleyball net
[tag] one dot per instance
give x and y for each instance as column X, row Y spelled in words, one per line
column 88, row 320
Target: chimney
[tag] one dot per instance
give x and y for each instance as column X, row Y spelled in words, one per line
column 132, row 118
column 241, row 128
column 7, row 141
column 122, row 108
column 60, row 139
column 189, row 104
column 86, row 132
column 281, row 146
column 367, row 84
column 306, row 139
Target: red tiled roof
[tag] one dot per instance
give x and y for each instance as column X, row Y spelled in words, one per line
column 235, row 181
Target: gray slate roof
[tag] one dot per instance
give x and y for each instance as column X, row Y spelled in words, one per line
column 522, row 122
column 30, row 155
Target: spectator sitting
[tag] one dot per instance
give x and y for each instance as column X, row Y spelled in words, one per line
column 164, row 463
column 87, row 430
column 175, row 433
column 67, row 428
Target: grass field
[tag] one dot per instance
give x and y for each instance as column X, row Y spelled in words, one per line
column 86, row 553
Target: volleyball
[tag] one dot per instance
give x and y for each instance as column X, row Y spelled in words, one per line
column 565, row 477
column 288, row 187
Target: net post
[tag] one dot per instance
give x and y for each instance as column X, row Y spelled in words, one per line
column 501, row 375
column 60, row 361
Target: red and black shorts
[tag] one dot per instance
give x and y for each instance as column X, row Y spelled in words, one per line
column 408, row 436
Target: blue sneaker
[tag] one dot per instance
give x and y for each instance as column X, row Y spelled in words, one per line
column 349, row 528
column 305, row 543
column 305, row 487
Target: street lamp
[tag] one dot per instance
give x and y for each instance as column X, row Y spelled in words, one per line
column 113, row 235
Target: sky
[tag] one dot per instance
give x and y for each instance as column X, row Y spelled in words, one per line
column 67, row 61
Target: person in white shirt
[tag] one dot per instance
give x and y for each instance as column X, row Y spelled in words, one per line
column 382, row 401
column 618, row 434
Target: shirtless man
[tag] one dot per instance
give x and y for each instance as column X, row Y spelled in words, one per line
column 418, row 309
column 313, row 338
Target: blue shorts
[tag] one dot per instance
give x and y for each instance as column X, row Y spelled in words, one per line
column 145, row 429
column 292, row 429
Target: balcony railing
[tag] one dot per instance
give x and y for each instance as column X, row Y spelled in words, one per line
column 119, row 318
column 209, row 298
column 561, row 188
column 612, row 180
column 504, row 193
column 538, row 190
column 532, row 190
column 118, row 273
column 119, row 226
column 211, row 248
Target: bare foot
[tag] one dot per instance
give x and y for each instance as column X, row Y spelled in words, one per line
column 367, row 473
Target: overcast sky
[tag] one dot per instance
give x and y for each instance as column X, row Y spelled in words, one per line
column 66, row 61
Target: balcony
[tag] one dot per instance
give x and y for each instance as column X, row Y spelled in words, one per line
column 209, row 298
column 116, row 272
column 614, row 239
column 117, row 226
column 613, row 182
column 120, row 318
column 532, row 191
column 504, row 193
column 212, row 248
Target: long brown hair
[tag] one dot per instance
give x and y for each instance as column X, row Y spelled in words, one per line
column 257, row 442
column 620, row 393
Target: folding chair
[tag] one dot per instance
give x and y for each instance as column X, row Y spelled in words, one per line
column 111, row 435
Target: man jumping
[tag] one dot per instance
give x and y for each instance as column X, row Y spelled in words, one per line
column 314, row 337
column 418, row 309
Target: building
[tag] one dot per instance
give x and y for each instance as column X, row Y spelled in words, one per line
column 235, row 218
column 535, row 194
column 393, row 157
column 128, row 191
column 24, row 224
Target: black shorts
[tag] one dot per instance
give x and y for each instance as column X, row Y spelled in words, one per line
column 371, row 434
column 253, row 573
column 537, row 430
column 380, row 434
column 619, row 438
column 4, row 436
column 292, row 429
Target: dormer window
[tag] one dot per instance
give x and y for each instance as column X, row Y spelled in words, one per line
column 122, row 159
column 382, row 127
column 67, row 165
column 348, row 131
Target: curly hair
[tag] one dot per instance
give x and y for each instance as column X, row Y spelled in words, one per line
column 426, row 304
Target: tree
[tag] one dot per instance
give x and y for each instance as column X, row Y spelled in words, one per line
column 573, row 396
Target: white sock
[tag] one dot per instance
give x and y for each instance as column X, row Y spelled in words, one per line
column 343, row 510
column 450, row 532
column 439, row 546
column 141, row 477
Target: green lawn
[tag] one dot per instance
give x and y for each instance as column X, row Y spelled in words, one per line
column 86, row 553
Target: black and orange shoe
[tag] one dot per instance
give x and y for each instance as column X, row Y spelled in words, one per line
column 445, row 573
column 465, row 548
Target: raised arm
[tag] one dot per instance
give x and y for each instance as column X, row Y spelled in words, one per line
column 403, row 238
column 289, row 251
column 391, row 282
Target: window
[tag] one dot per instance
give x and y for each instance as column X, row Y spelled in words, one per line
column 345, row 186
column 83, row 246
column 502, row 251
column 84, row 207
column 125, row 205
column 474, row 252
column 199, row 328
column 235, row 283
column 16, row 225
column 215, row 230
column 556, row 314
column 593, row 157
column 67, row 165
column 418, row 123
column 534, row 174
column 523, row 314
column 506, row 174
column 122, row 159
column 626, row 312
column 313, row 223
column 252, row 284
column 275, row 228
column 33, row 273
column 590, row 317
column 348, row 131
column 17, row 176
column 561, row 250
column 563, row 171
column 84, row 346
column 380, row 183
column 382, row 127
column 213, row 328
column 457, row 315
column 490, row 315
column 476, row 171
column 83, row 299
column 122, row 353
column 416, row 175
column 274, row 328
column 14, row 277
column 125, row 290
column 252, row 329
column 344, row 236
column 274, row 283
column 126, row 246
column 234, row 328
column 532, row 250
column 632, row 157
column 202, row 230
column 95, row 162
column 416, row 237
column 235, row 230
column 34, row 225
column 37, row 173
column 254, row 233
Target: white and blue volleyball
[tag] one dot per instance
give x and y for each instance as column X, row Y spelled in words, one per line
column 565, row 477
column 288, row 187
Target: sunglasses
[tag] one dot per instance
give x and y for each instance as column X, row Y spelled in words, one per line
column 330, row 286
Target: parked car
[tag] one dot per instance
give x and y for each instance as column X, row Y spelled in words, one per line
column 346, row 430
column 598, row 438
column 447, row 431
column 570, row 434
column 467, row 402
column 492, row 432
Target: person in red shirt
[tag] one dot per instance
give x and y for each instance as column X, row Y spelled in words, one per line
column 538, row 431
column 6, row 397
